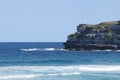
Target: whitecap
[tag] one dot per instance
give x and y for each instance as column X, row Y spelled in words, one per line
column 26, row 72
column 49, row 49
column 117, row 50
column 102, row 68
column 18, row 76
column 31, row 49
column 28, row 76
column 108, row 50
column 43, row 49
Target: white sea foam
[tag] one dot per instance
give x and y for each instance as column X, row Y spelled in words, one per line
column 31, row 49
column 102, row 68
column 49, row 49
column 108, row 50
column 18, row 76
column 26, row 72
column 44, row 49
column 28, row 76
column 118, row 50
column 59, row 49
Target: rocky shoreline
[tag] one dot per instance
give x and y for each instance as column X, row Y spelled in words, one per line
column 101, row 36
column 77, row 47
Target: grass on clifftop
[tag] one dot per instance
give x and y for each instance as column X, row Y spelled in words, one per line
column 103, row 27
column 107, row 24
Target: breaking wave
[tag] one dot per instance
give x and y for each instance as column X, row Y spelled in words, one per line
column 36, row 75
column 79, row 68
column 61, row 49
column 29, row 72
column 44, row 49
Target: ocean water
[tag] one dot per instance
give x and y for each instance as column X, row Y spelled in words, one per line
column 49, row 61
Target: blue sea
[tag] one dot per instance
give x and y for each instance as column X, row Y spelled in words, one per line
column 49, row 61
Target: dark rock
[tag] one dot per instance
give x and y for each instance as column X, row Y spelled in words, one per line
column 75, row 46
column 101, row 36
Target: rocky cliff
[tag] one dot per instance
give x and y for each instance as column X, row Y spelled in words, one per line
column 105, row 35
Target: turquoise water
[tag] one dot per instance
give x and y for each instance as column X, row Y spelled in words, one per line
column 49, row 61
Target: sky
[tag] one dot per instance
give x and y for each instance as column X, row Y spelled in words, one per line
column 51, row 20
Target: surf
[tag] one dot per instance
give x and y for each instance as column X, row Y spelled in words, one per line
column 92, row 68
column 26, row 76
column 33, row 72
column 42, row 49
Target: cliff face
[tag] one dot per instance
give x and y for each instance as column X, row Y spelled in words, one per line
column 104, row 34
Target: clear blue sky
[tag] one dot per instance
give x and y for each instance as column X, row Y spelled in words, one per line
column 51, row 20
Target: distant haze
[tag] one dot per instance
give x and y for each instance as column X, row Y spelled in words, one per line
column 51, row 20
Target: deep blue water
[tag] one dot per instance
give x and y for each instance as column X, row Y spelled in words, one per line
column 49, row 61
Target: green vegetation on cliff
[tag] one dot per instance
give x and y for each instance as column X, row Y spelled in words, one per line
column 103, row 33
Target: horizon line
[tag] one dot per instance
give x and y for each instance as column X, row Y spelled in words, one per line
column 28, row 41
